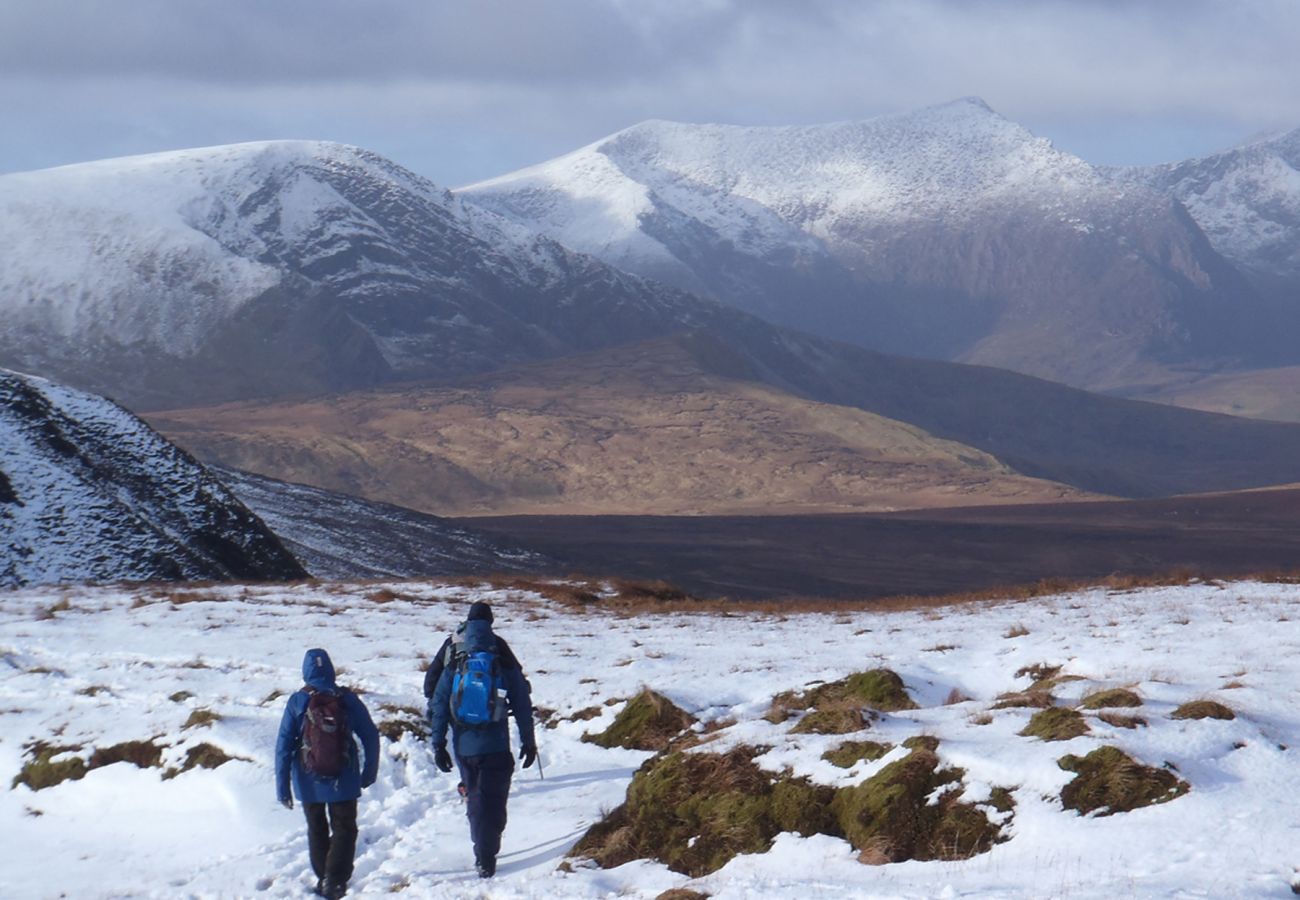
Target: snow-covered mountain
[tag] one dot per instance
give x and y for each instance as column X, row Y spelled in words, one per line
column 261, row 269
column 88, row 492
column 950, row 232
column 339, row 536
column 1246, row 200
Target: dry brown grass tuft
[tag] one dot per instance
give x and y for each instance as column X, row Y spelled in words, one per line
column 1122, row 720
column 1203, row 709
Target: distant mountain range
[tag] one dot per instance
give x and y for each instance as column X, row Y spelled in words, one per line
column 949, row 233
column 298, row 272
column 270, row 269
column 88, row 492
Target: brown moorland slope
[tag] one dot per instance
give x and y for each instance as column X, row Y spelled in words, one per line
column 640, row 430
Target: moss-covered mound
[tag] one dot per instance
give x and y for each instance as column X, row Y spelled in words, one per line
column 850, row 753
column 877, row 689
column 1056, row 724
column 1114, row 697
column 42, row 770
column 1109, row 781
column 141, row 754
column 695, row 811
column 835, row 720
column 649, row 721
column 888, row 818
column 1203, row 709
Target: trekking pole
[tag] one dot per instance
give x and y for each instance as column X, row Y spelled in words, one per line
column 541, row 772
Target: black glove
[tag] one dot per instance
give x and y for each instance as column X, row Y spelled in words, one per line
column 286, row 802
column 528, row 753
column 367, row 782
column 442, row 759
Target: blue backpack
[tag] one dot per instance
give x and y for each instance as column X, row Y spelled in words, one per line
column 476, row 689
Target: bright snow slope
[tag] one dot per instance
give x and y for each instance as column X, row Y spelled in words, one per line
column 103, row 669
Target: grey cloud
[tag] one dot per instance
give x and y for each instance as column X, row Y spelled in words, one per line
column 256, row 41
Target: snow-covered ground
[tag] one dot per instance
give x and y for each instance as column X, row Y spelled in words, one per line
column 92, row 667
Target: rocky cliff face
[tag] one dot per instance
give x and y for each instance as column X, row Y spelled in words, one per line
column 88, row 492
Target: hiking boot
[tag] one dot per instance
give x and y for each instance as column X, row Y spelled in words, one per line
column 486, row 867
column 334, row 890
column 319, row 889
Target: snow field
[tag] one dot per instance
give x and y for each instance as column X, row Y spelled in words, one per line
column 92, row 667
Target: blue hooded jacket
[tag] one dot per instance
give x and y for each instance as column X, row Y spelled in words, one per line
column 493, row 738
column 318, row 674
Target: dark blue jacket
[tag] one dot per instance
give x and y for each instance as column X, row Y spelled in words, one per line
column 318, row 674
column 495, row 737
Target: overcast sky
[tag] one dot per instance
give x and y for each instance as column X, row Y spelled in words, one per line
column 460, row 90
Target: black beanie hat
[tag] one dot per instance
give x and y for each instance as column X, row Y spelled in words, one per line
column 479, row 610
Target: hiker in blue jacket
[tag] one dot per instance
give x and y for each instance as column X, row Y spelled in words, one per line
column 328, row 800
column 483, row 751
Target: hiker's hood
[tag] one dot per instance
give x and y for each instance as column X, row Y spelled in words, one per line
column 317, row 670
column 478, row 636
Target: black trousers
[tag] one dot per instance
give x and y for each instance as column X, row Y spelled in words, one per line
column 487, row 788
column 332, row 841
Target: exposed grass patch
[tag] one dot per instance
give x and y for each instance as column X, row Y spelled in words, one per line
column 403, row 720
column 695, row 812
column 1203, row 709
column 1030, row 699
column 682, row 894
column 180, row 696
column 1122, row 720
column 203, row 756
column 850, row 753
column 1056, row 724
column 42, row 770
column 889, row 817
column 877, row 689
column 141, row 754
column 649, row 721
column 955, row 696
column 1038, row 671
column 1015, row 631
column 201, row 718
column 1109, row 781
column 586, row 714
column 833, row 720
column 1111, row 697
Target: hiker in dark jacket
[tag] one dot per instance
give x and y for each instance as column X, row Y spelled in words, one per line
column 329, row 802
column 483, row 751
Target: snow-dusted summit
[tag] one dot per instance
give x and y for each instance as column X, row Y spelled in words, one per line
column 88, row 492
column 948, row 232
column 1247, row 200
column 266, row 268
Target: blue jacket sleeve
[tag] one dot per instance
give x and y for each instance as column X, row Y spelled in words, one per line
column 286, row 746
column 440, row 710
column 364, row 728
column 521, row 704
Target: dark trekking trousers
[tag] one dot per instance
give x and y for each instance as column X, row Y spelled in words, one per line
column 332, row 842
column 487, row 787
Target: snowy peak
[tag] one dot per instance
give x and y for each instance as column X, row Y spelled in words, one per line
column 1246, row 200
column 947, row 232
column 262, row 269
column 88, row 492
